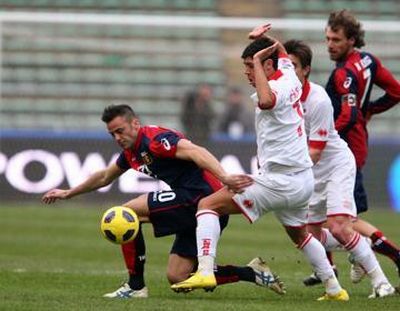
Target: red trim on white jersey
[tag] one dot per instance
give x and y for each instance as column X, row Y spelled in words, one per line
column 282, row 55
column 305, row 91
column 317, row 144
column 341, row 214
column 276, row 75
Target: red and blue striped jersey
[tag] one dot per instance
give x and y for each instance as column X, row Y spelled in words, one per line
column 154, row 155
column 349, row 88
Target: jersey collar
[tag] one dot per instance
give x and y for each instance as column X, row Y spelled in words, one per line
column 305, row 91
column 276, row 75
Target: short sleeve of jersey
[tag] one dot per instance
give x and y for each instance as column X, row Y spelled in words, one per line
column 122, row 162
column 164, row 145
column 321, row 120
column 284, row 63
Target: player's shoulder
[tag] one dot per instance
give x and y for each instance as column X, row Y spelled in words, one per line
column 318, row 92
column 154, row 131
column 319, row 98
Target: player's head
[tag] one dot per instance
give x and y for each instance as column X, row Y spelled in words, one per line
column 122, row 123
column 270, row 64
column 301, row 56
column 343, row 33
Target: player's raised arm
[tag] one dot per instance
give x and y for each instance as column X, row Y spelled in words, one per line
column 266, row 98
column 186, row 150
column 95, row 181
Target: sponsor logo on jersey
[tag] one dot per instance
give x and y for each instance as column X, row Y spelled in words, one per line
column 322, row 132
column 146, row 158
column 248, row 203
column 350, row 99
column 347, row 82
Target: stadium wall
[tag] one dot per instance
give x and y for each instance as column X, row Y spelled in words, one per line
column 32, row 163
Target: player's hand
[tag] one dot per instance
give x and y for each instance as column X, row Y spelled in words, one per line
column 265, row 53
column 54, row 195
column 237, row 183
column 259, row 31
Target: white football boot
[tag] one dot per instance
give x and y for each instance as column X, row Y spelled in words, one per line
column 357, row 272
column 125, row 291
column 382, row 290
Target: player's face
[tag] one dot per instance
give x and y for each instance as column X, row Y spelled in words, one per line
column 339, row 46
column 249, row 69
column 300, row 71
column 124, row 131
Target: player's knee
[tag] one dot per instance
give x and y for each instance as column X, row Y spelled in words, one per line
column 341, row 230
column 202, row 204
column 206, row 203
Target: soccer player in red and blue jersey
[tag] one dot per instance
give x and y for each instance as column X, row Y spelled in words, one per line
column 349, row 88
column 192, row 174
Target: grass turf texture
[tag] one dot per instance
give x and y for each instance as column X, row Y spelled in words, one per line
column 54, row 258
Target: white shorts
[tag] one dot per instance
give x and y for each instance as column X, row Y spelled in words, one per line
column 334, row 195
column 287, row 195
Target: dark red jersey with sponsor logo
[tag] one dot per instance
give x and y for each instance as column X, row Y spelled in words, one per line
column 154, row 155
column 349, row 88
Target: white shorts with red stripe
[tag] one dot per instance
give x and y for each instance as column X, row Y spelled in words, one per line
column 286, row 195
column 333, row 195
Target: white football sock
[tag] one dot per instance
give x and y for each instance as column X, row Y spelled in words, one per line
column 316, row 255
column 363, row 255
column 208, row 232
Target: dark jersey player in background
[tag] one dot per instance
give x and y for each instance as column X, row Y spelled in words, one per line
column 349, row 88
column 192, row 173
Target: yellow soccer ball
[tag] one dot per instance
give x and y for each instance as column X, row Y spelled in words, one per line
column 119, row 224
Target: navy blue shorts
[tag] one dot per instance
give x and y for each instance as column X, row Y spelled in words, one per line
column 360, row 195
column 174, row 212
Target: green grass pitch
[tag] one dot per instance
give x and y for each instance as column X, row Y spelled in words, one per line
column 54, row 258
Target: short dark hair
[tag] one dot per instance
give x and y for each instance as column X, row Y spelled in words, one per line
column 258, row 45
column 301, row 50
column 113, row 111
column 352, row 28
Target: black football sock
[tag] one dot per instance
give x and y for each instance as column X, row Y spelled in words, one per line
column 232, row 274
column 135, row 259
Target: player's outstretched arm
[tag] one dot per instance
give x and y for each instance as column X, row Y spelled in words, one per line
column 186, row 150
column 95, row 181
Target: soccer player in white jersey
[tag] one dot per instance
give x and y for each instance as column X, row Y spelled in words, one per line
column 334, row 172
column 285, row 181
